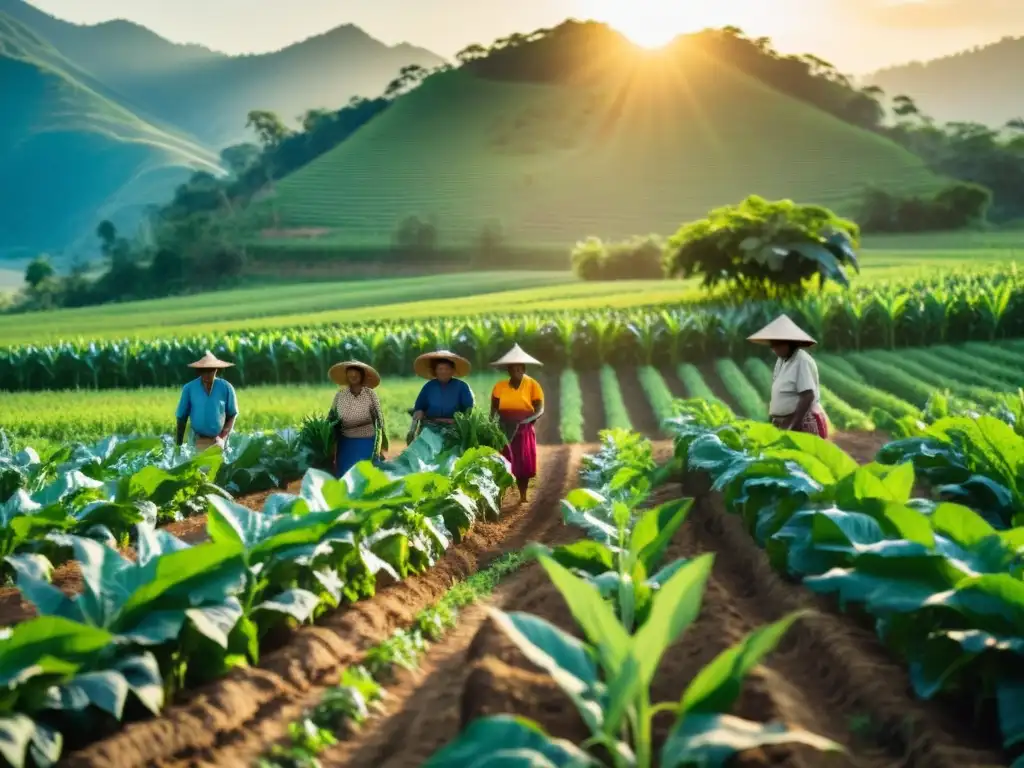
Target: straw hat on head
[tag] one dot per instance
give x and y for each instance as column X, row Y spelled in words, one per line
column 337, row 373
column 782, row 329
column 423, row 367
column 515, row 356
column 209, row 360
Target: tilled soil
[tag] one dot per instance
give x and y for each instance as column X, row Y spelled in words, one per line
column 232, row 721
column 829, row 675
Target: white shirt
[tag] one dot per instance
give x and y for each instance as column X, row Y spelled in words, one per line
column 791, row 377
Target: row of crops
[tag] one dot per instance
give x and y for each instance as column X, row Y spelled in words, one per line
column 942, row 580
column 860, row 390
column 180, row 615
column 954, row 308
column 629, row 606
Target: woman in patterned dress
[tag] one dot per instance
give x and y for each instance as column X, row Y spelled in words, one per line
column 796, row 397
column 519, row 402
column 360, row 430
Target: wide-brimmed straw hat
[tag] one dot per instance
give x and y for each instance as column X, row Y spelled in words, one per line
column 515, row 356
column 209, row 360
column 424, row 365
column 782, row 329
column 337, row 372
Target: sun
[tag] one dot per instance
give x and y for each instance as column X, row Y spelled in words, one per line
column 651, row 23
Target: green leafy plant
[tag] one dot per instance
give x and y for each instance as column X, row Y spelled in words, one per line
column 317, row 438
column 765, row 248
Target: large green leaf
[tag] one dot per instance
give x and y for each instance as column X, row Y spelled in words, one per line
column 569, row 662
column 675, row 607
column 655, row 529
column 597, row 620
column 48, row 645
column 717, row 686
column 712, row 739
column 503, row 741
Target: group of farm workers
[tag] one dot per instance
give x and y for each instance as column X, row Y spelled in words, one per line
column 361, row 434
column 518, row 402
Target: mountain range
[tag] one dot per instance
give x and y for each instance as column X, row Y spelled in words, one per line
column 101, row 121
column 979, row 85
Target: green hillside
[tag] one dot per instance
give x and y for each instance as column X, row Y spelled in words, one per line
column 208, row 94
column 70, row 155
column 619, row 149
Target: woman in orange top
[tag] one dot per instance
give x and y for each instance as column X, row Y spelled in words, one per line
column 519, row 402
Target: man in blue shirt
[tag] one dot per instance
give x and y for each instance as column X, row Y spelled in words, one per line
column 444, row 395
column 209, row 403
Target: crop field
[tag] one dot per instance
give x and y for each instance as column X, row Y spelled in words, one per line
column 243, row 607
column 853, row 385
column 348, row 621
column 901, row 263
column 946, row 308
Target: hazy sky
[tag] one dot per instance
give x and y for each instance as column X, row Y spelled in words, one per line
column 856, row 35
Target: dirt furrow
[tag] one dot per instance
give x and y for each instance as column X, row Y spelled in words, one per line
column 829, row 675
column 637, row 405
column 233, row 720
column 547, row 425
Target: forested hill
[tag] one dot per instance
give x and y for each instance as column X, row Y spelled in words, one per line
column 977, row 85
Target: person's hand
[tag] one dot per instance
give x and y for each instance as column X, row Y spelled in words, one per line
column 418, row 415
column 218, row 441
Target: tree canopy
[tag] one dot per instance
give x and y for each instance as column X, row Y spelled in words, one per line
column 765, row 249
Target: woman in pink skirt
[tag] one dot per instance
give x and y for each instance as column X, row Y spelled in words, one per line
column 519, row 402
column 796, row 396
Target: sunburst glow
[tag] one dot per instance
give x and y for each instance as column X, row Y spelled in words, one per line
column 654, row 23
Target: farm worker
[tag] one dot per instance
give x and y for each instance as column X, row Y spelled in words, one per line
column 209, row 402
column 445, row 394
column 796, row 397
column 360, row 430
column 519, row 402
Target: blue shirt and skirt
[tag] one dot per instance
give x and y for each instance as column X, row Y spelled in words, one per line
column 443, row 401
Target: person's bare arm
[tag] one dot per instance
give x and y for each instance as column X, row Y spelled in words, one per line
column 538, row 411
column 802, row 409
column 180, row 437
column 494, row 406
column 228, row 426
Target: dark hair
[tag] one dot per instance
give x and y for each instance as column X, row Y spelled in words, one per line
column 435, row 363
column 362, row 372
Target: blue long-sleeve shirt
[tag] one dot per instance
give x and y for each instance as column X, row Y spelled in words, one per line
column 207, row 412
column 443, row 401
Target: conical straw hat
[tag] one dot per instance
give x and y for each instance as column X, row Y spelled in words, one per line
column 423, row 368
column 782, row 329
column 337, row 372
column 515, row 356
column 208, row 361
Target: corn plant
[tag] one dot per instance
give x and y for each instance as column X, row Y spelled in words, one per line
column 945, row 307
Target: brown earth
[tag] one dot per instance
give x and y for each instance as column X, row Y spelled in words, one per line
column 232, row 721
column 829, row 675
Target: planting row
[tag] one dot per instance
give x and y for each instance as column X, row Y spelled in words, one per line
column 181, row 615
column 629, row 606
column 954, row 308
column 859, row 392
column 942, row 581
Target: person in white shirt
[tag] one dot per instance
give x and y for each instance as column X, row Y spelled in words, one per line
column 796, row 396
